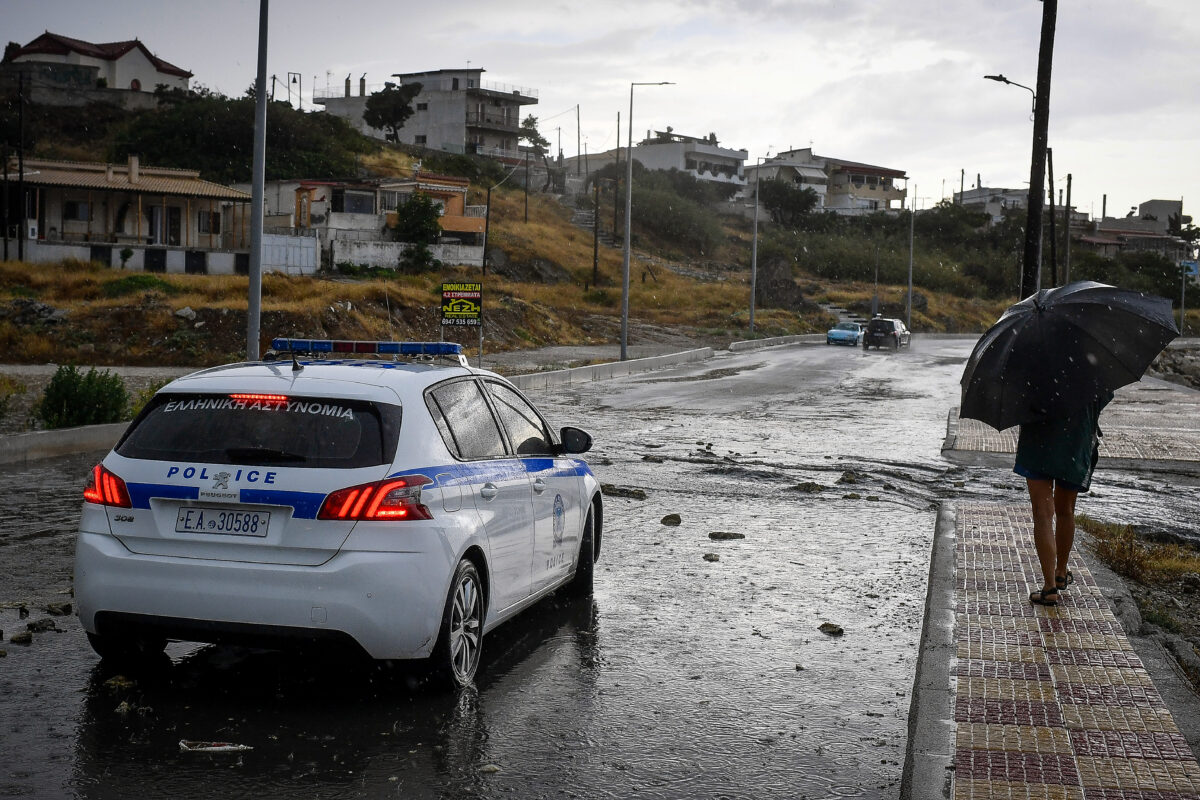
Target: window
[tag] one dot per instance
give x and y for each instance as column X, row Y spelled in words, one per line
column 467, row 425
column 75, row 211
column 454, row 84
column 526, row 431
column 422, row 106
column 217, row 429
column 209, row 222
column 419, row 139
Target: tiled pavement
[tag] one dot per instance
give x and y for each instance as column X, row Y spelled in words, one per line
column 1148, row 421
column 1050, row 703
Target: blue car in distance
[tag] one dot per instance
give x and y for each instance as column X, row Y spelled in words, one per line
column 850, row 333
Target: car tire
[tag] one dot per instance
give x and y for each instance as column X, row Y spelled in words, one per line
column 585, row 566
column 127, row 649
column 866, row 346
column 896, row 343
column 456, row 656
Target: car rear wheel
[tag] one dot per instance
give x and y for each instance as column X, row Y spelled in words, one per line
column 585, row 567
column 460, row 641
column 896, row 343
column 126, row 649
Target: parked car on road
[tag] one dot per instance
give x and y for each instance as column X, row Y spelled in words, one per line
column 850, row 333
column 885, row 332
column 406, row 508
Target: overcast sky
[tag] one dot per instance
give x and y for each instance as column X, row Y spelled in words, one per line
column 898, row 84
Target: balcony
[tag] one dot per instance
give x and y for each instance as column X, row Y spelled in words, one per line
column 493, row 121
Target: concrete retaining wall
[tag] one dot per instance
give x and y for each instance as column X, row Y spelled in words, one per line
column 755, row 344
column 24, row 447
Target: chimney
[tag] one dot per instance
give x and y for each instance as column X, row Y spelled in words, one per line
column 362, row 85
column 108, row 172
column 133, row 169
column 347, row 86
column 1104, row 208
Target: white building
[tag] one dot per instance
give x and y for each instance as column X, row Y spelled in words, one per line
column 992, row 201
column 456, row 111
column 844, row 187
column 61, row 61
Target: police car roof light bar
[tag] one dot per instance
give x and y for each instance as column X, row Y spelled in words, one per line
column 314, row 346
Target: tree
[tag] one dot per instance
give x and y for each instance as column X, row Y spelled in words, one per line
column 417, row 224
column 390, row 108
column 538, row 144
column 786, row 202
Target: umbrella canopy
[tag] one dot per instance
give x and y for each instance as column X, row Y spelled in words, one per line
column 1058, row 350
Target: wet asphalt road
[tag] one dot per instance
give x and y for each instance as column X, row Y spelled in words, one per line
column 682, row 677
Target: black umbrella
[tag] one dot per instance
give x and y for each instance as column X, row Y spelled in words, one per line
column 1058, row 350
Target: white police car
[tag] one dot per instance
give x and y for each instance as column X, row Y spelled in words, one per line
column 408, row 507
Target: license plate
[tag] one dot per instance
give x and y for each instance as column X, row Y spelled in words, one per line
column 224, row 521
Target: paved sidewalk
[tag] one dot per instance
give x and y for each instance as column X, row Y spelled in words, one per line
column 1050, row 703
column 1151, row 424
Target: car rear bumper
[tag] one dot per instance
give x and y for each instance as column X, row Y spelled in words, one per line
column 389, row 603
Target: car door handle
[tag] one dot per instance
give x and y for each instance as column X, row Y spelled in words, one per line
column 488, row 491
column 539, row 486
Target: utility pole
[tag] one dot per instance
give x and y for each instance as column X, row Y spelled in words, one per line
column 912, row 216
column 578, row 139
column 22, row 203
column 1053, row 233
column 1067, row 229
column 257, row 190
column 596, row 233
column 4, row 203
column 526, row 187
column 962, row 185
column 1031, row 259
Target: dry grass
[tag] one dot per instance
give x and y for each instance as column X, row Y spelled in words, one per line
column 387, row 163
column 1148, row 562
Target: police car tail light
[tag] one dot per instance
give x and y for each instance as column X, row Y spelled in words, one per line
column 106, row 489
column 388, row 499
column 264, row 399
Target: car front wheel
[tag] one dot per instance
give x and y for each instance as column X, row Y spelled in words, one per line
column 460, row 641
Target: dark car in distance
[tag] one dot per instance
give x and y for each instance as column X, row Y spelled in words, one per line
column 883, row 332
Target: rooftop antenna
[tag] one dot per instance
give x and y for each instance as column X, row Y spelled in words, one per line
column 296, row 366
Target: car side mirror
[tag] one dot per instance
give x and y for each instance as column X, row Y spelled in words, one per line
column 575, row 440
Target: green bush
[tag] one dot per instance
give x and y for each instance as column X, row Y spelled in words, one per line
column 9, row 388
column 73, row 398
column 137, row 283
column 144, row 396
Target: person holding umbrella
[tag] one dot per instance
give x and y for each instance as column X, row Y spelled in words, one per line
column 1050, row 364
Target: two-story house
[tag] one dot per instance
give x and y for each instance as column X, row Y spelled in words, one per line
column 456, row 111
column 66, row 71
column 844, row 187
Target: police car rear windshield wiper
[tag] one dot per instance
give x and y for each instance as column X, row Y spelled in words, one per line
column 255, row 455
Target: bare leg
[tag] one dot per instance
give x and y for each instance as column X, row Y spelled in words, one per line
column 1064, row 528
column 1041, row 497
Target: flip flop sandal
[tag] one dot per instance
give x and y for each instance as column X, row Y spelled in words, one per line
column 1044, row 597
column 1065, row 581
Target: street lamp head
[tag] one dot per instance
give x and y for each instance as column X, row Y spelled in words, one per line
column 999, row 78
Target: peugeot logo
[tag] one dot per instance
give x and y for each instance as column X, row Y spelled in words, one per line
column 221, row 480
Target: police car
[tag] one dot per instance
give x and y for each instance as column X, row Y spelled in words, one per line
column 404, row 502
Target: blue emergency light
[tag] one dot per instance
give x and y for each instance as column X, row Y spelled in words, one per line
column 348, row 346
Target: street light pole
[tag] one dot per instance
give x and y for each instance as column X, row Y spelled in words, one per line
column 628, row 219
column 257, row 190
column 754, row 246
column 912, row 215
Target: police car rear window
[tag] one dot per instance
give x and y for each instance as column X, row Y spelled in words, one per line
column 264, row 430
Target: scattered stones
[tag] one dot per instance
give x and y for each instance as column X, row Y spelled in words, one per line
column 59, row 609
column 653, row 459
column 799, row 668
column 872, row 498
column 21, row 637
column 22, row 612
column 852, row 496
column 711, row 557
column 722, row 536
column 621, row 491
column 186, row 313
column 830, row 629
column 41, row 626
column 850, row 476
column 672, row 520
column 490, row 769
column 808, row 487
column 959, row 484
column 119, row 683
column 1191, row 582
